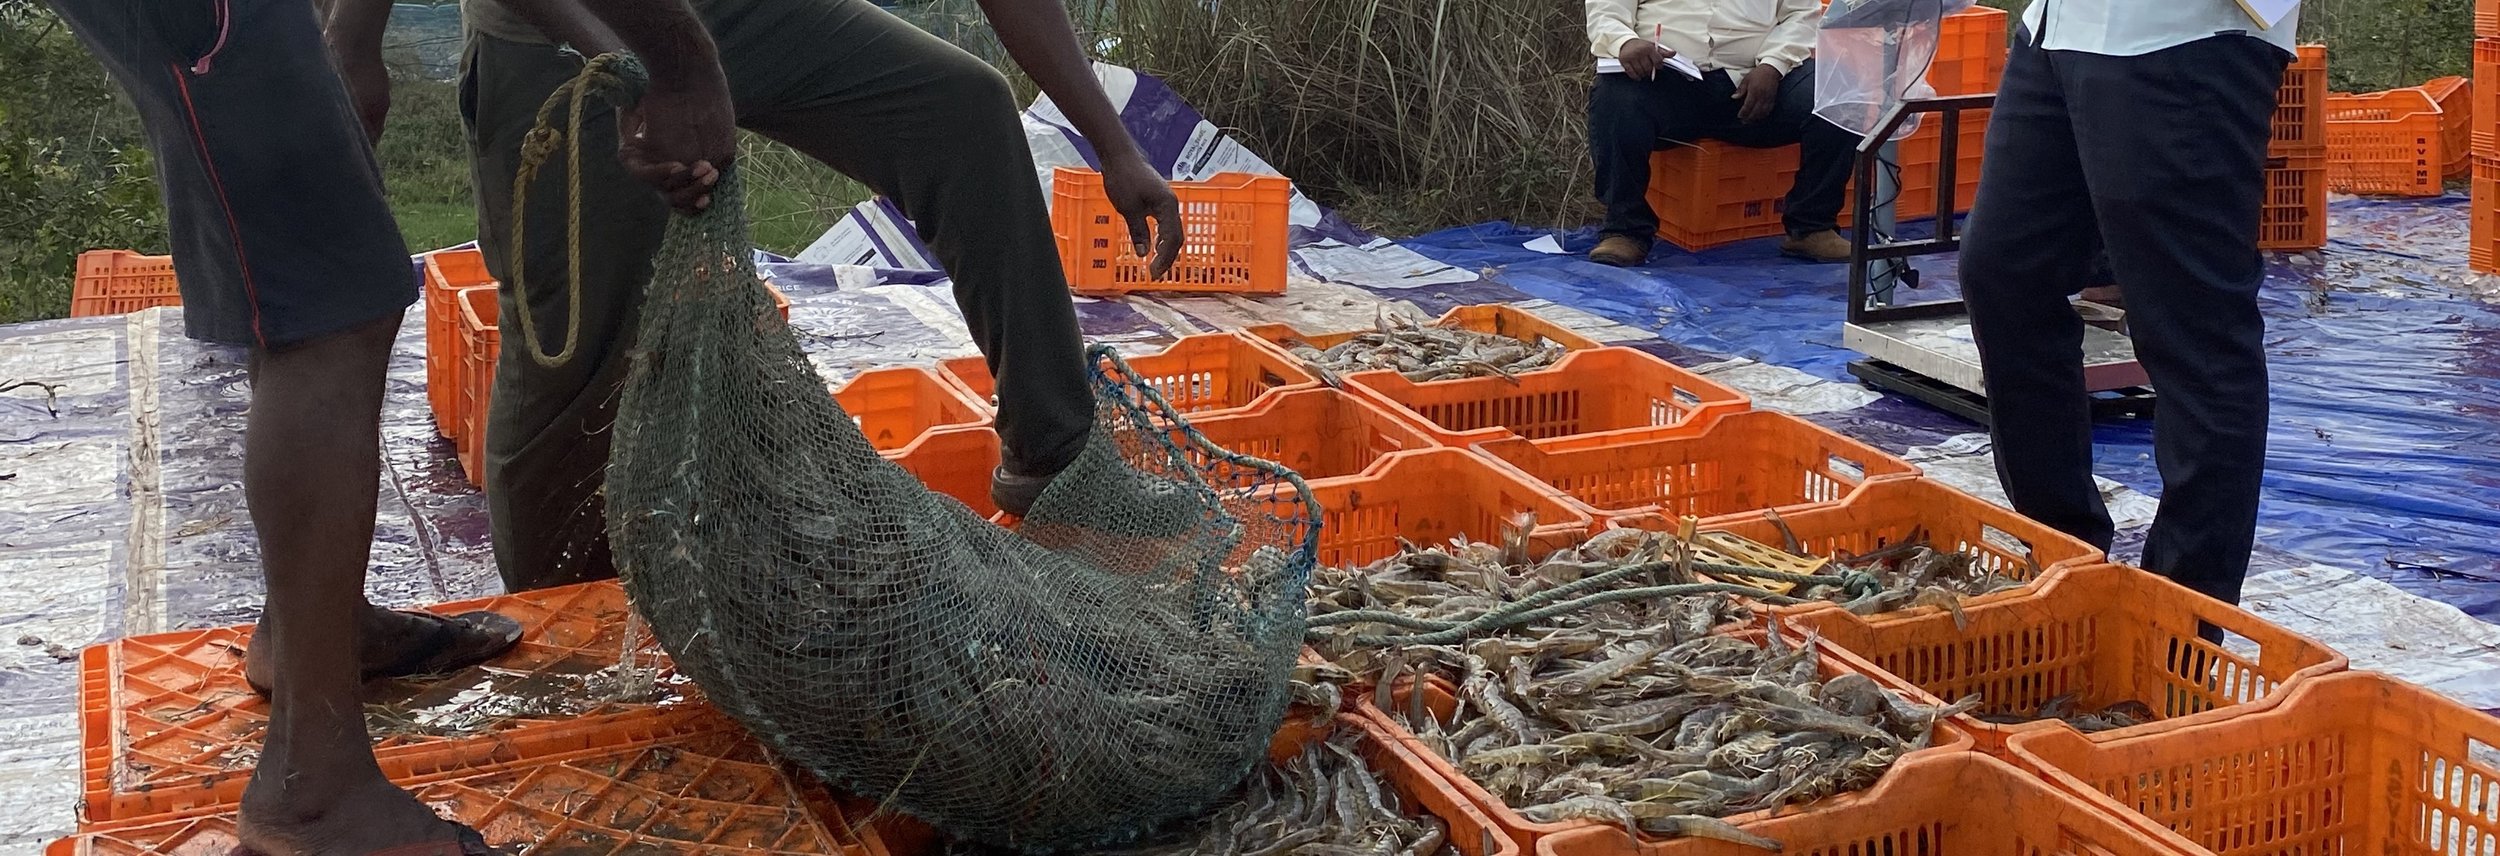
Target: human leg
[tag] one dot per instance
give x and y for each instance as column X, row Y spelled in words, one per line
column 2174, row 147
column 935, row 130
column 1626, row 120
column 310, row 459
column 242, row 110
column 547, row 430
column 1826, row 153
column 2030, row 236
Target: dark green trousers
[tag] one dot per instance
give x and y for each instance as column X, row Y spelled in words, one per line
column 914, row 118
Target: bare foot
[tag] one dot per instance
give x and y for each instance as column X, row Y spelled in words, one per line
column 368, row 816
column 391, row 638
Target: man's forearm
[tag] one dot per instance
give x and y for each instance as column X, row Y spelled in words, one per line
column 1040, row 39
column 354, row 28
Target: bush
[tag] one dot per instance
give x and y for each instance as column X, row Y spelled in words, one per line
column 1406, row 115
column 74, row 168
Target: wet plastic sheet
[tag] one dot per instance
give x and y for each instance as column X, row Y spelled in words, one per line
column 2385, row 451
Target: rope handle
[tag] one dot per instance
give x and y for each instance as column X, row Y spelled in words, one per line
column 621, row 79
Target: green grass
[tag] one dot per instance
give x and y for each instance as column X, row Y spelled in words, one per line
column 430, row 225
column 787, row 213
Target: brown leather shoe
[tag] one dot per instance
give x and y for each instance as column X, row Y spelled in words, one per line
column 1823, row 246
column 1620, row 251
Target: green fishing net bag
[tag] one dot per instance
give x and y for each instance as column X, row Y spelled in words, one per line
column 1116, row 665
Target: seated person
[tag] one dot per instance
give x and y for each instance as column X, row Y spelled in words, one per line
column 1756, row 89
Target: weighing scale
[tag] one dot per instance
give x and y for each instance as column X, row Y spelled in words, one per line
column 1924, row 350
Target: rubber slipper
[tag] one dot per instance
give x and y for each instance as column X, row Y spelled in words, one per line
column 469, row 843
column 455, row 642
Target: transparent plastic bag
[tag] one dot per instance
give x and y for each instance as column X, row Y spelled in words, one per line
column 1870, row 55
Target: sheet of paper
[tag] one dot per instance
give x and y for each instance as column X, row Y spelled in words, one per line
column 1611, row 65
column 1545, row 244
column 2268, row 13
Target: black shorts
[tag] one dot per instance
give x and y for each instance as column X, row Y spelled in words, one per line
column 280, row 231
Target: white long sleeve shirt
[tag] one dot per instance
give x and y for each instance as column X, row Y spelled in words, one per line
column 1734, row 35
column 2137, row 27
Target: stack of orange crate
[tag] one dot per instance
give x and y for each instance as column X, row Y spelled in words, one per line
column 462, row 342
column 1712, row 194
column 2483, row 251
column 2294, row 213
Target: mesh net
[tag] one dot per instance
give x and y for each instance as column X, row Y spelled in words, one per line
column 1118, row 665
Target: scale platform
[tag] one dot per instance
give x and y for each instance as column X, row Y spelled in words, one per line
column 1924, row 350
column 1933, row 360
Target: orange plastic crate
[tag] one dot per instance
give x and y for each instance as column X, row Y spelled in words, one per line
column 1887, row 511
column 1713, row 194
column 169, row 725
column 2385, row 143
column 1592, row 396
column 2300, row 106
column 1947, row 742
column 714, row 793
column 1710, row 193
column 956, row 462
column 2294, row 214
column 1495, row 318
column 1392, row 764
column 2482, row 250
column 1236, row 225
column 481, row 344
column 1931, row 805
column 2455, row 96
column 111, row 282
column 2486, row 18
column 1318, row 433
column 1199, row 375
column 895, row 406
column 2486, row 99
column 1430, row 496
column 1741, row 462
column 1470, row 832
column 2348, row 763
column 781, row 302
column 2102, row 634
column 1970, row 52
column 446, row 273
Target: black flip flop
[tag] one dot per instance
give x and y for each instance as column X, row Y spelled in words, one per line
column 470, row 843
column 456, row 642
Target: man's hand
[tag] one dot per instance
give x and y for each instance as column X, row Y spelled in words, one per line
column 679, row 138
column 1643, row 58
column 1141, row 193
column 1758, row 94
column 368, row 89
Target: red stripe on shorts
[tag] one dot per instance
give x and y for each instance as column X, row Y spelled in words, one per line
column 234, row 229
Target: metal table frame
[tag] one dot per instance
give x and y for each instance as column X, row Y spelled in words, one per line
column 2117, row 381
